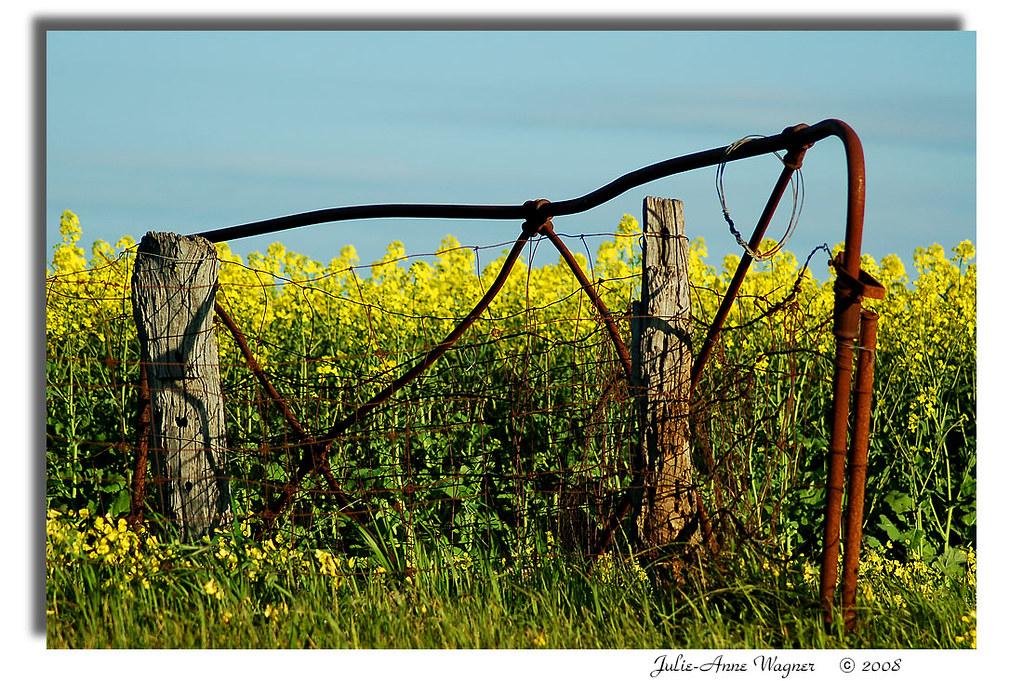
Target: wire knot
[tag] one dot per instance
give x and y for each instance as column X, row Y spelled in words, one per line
column 793, row 159
column 537, row 218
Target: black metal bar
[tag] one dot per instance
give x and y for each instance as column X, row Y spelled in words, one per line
column 387, row 210
column 790, row 137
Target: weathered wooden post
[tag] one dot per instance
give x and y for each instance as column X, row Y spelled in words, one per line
column 662, row 363
column 173, row 288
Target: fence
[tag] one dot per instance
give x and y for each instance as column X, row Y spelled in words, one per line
column 526, row 428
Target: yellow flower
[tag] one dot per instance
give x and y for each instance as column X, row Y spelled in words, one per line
column 272, row 612
column 213, row 589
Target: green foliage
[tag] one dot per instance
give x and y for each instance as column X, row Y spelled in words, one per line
column 112, row 586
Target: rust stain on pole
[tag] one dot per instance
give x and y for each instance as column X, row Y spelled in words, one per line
column 858, row 463
column 138, row 482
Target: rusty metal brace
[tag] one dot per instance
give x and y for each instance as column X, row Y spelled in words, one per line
column 315, row 453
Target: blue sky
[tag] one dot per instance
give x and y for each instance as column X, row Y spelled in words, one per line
column 187, row 131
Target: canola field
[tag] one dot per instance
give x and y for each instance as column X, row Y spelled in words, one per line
column 470, row 525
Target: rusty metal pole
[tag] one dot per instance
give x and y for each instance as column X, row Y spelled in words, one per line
column 349, row 506
column 847, row 314
column 793, row 160
column 858, row 462
column 845, row 337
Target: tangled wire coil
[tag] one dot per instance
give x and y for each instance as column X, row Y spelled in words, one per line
column 797, row 203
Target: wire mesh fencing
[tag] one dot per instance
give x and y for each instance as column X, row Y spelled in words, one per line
column 523, row 432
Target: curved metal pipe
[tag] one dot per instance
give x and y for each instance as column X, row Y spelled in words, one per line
column 846, row 330
column 790, row 137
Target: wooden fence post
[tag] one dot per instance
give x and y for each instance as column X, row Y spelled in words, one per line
column 173, row 288
column 663, row 362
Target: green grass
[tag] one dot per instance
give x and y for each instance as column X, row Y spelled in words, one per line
column 201, row 600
